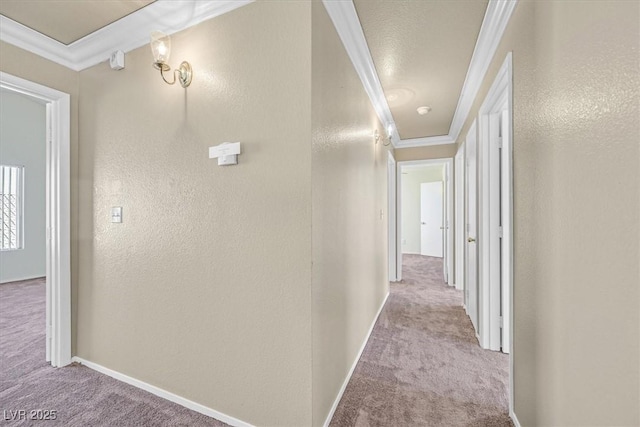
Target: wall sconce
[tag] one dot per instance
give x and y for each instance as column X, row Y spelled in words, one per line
column 161, row 49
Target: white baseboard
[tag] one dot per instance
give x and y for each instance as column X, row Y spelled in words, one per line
column 355, row 363
column 514, row 418
column 189, row 404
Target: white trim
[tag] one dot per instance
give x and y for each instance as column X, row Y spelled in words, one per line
column 494, row 24
column 460, row 235
column 449, row 222
column 426, row 141
column 448, row 164
column 353, row 367
column 392, row 190
column 182, row 401
column 514, row 418
column 58, row 213
column 499, row 100
column 126, row 34
column 345, row 19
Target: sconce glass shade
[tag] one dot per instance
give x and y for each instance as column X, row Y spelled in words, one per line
column 160, row 47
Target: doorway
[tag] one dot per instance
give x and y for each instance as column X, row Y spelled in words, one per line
column 495, row 216
column 431, row 204
column 57, row 208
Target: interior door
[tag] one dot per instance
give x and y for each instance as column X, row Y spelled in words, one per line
column 471, row 254
column 391, row 194
column 431, row 216
column 460, row 235
column 506, row 276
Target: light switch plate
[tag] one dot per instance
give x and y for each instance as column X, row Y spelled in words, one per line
column 116, row 214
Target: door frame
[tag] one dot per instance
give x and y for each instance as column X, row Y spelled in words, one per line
column 471, row 147
column 58, row 212
column 391, row 217
column 460, row 235
column 448, row 188
column 498, row 99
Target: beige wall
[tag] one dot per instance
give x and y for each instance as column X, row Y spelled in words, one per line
column 424, row 153
column 576, row 210
column 410, row 200
column 348, row 193
column 205, row 288
column 26, row 65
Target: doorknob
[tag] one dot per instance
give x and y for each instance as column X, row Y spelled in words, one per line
column 471, row 240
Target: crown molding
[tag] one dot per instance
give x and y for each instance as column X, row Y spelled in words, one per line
column 426, row 141
column 345, row 19
column 494, row 23
column 126, row 34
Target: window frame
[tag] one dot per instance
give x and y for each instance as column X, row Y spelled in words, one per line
column 19, row 208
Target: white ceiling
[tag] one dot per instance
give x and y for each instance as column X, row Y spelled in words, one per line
column 408, row 53
column 421, row 51
column 67, row 21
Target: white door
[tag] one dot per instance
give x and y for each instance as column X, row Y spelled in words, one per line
column 459, row 221
column 471, row 255
column 431, row 227
column 391, row 194
column 506, row 244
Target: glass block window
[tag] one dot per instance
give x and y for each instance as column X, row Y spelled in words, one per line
column 11, row 213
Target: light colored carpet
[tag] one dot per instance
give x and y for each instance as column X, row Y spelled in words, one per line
column 422, row 365
column 82, row 397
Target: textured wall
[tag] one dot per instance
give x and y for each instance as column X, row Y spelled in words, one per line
column 23, row 139
column 410, row 199
column 26, row 65
column 576, row 210
column 204, row 289
column 349, row 235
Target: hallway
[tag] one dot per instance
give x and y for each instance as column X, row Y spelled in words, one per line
column 422, row 365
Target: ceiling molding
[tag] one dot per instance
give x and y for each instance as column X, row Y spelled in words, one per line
column 345, row 19
column 126, row 34
column 494, row 23
column 426, row 141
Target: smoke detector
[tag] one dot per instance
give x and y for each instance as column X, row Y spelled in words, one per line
column 424, row 110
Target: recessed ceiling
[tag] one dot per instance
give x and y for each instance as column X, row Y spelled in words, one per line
column 421, row 51
column 67, row 21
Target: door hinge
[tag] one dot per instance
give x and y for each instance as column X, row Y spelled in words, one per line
column 500, row 232
column 500, row 142
column 501, row 322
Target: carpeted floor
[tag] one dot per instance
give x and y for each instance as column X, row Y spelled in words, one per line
column 81, row 396
column 422, row 365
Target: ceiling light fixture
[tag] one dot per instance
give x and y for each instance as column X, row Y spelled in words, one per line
column 161, row 49
column 424, row 110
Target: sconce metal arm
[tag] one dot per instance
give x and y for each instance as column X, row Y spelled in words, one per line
column 182, row 73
